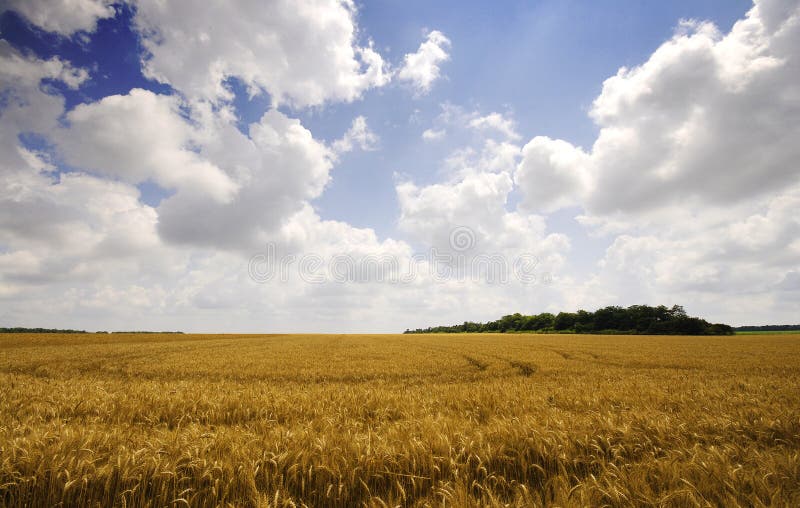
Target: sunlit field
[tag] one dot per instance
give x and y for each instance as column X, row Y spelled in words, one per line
column 388, row 420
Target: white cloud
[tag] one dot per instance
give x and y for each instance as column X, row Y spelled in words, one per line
column 719, row 256
column 303, row 53
column 28, row 106
column 475, row 196
column 433, row 134
column 278, row 167
column 421, row 69
column 468, row 220
column 60, row 230
column 68, row 221
column 552, row 174
column 430, row 212
column 491, row 126
column 138, row 137
column 64, row 17
column 359, row 135
column 26, row 70
column 492, row 156
column 234, row 190
column 497, row 122
column 725, row 264
column 707, row 118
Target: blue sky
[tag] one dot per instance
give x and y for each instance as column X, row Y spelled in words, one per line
column 545, row 169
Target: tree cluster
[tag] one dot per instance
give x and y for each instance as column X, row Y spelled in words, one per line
column 636, row 319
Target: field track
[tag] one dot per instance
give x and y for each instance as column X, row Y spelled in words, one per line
column 411, row 420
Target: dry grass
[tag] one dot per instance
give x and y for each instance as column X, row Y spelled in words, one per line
column 464, row 420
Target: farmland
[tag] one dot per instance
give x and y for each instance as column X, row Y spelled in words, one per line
column 410, row 420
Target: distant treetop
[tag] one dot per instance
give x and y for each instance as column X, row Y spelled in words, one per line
column 636, row 319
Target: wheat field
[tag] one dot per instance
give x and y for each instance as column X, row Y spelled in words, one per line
column 396, row 420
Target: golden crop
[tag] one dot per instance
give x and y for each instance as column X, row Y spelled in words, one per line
column 387, row 420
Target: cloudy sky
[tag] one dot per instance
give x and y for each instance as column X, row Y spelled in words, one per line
column 334, row 166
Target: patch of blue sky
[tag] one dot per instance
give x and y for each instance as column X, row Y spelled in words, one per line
column 112, row 55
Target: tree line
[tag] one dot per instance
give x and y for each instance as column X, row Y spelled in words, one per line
column 768, row 328
column 636, row 319
column 19, row 329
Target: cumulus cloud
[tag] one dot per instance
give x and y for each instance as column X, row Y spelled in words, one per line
column 433, row 134
column 61, row 226
column 359, row 135
column 454, row 118
column 278, row 166
column 59, row 230
column 303, row 53
column 28, row 106
column 485, row 155
column 64, row 17
column 552, row 174
column 474, row 199
column 421, row 68
column 707, row 118
column 468, row 218
column 497, row 122
column 719, row 256
column 26, row 70
column 231, row 190
column 138, row 137
column 431, row 211
column 724, row 266
column 475, row 191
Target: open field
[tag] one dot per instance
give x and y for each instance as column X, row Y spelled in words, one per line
column 422, row 420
